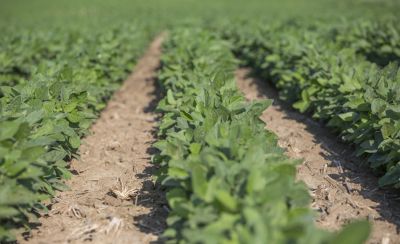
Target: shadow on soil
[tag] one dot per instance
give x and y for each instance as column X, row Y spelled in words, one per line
column 388, row 200
column 151, row 195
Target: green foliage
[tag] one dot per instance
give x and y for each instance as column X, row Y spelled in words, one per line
column 379, row 41
column 227, row 180
column 61, row 60
column 320, row 73
column 53, row 85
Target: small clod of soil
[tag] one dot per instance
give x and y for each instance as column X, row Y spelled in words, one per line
column 342, row 188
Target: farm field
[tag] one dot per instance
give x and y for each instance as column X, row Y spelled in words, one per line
column 199, row 122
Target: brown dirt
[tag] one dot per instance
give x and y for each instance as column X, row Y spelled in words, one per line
column 112, row 198
column 342, row 188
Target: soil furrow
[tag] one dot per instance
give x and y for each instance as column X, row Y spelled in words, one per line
column 112, row 198
column 341, row 187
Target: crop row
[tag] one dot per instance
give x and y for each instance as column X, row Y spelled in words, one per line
column 378, row 41
column 227, row 180
column 52, row 86
column 333, row 73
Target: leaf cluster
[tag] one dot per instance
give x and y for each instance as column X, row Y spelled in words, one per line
column 324, row 70
column 53, row 85
column 227, row 180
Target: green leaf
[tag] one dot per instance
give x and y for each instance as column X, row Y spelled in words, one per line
column 23, row 132
column 176, row 198
column 387, row 130
column 34, row 117
column 46, row 129
column 65, row 173
column 195, row 148
column 255, row 181
column 170, row 98
column 227, row 201
column 70, row 106
column 186, row 115
column 8, row 129
column 177, row 173
column 54, row 155
column 33, row 153
column 391, row 177
column 354, row 233
column 75, row 141
column 199, row 181
column 7, row 212
column 74, row 117
column 302, row 106
column 394, row 113
column 347, row 116
column 378, row 106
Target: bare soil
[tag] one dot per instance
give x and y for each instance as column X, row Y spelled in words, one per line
column 343, row 189
column 112, row 197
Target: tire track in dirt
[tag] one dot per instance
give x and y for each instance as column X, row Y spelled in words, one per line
column 112, row 197
column 341, row 189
